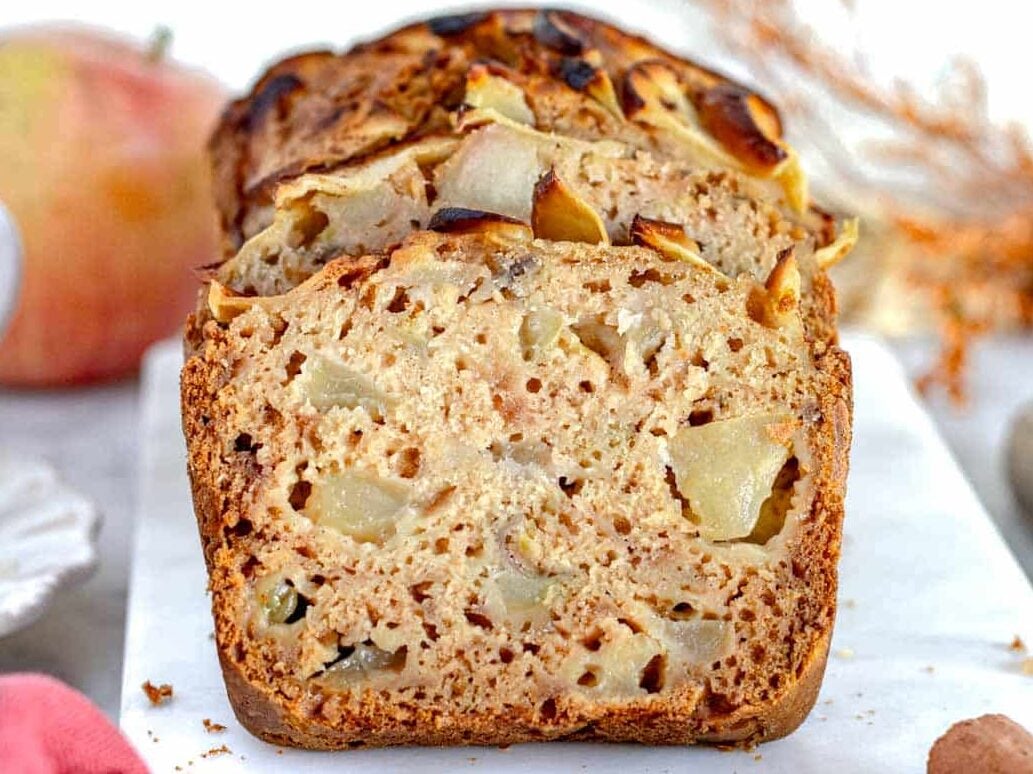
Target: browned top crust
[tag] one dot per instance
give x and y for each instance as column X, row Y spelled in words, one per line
column 319, row 111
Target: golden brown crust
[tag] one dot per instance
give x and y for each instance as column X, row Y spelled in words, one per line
column 318, row 111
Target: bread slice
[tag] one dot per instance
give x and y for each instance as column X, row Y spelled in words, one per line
column 558, row 456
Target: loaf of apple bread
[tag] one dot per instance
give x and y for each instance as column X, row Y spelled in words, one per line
column 515, row 411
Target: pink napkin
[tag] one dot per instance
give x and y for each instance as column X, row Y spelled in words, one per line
column 48, row 728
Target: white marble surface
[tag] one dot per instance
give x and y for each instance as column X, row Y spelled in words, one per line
column 91, row 436
column 1001, row 382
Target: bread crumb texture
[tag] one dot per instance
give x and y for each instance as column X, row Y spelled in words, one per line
column 157, row 694
column 531, row 426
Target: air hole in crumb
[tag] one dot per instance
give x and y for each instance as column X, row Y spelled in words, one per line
column 308, row 224
column 699, row 361
column 640, row 278
column 548, row 710
column 478, row 619
column 622, row 525
column 441, row 545
column 688, row 298
column 570, row 487
column 317, row 580
column 534, row 385
column 297, row 359
column 701, row 417
column 586, row 386
column 532, row 648
column 475, row 551
column 419, row 590
column 345, row 329
column 352, row 275
column 652, row 679
column 461, row 364
column 506, row 655
column 248, row 568
column 598, row 286
column 437, row 330
column 299, row 495
column 409, row 462
column 480, row 338
column 681, row 611
column 593, row 641
column 242, row 528
column 400, row 302
column 774, row 509
column 431, row 630
column 635, row 626
column 589, row 679
column 388, row 359
column 243, row 443
column 299, row 610
column 735, row 344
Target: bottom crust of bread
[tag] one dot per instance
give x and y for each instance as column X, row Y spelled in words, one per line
column 265, row 718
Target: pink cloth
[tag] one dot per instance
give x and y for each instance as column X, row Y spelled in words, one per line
column 47, row 728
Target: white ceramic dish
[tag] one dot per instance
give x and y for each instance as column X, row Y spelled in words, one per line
column 47, row 538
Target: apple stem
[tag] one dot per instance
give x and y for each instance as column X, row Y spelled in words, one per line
column 158, row 47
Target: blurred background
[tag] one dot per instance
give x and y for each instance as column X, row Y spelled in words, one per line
column 911, row 115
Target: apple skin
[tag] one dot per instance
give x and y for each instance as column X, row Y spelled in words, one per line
column 103, row 166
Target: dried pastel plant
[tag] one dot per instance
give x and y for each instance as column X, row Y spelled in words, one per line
column 945, row 193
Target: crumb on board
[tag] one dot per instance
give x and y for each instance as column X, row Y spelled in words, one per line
column 845, row 653
column 758, row 757
column 157, row 694
column 929, row 669
column 212, row 727
column 1017, row 645
column 216, row 751
column 280, row 751
column 849, row 603
column 1027, row 666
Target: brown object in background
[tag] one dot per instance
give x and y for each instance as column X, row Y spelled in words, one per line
column 989, row 744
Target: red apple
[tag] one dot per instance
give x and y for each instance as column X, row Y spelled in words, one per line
column 102, row 166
